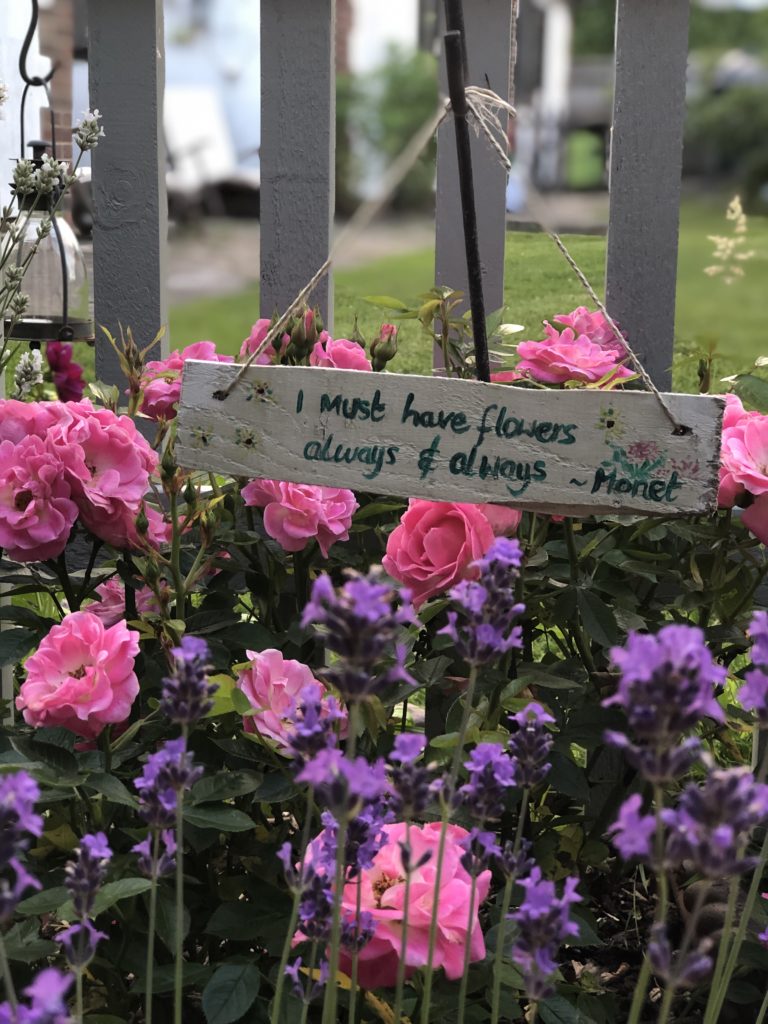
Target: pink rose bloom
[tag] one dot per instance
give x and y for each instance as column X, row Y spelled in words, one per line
column 563, row 357
column 434, row 545
column 258, row 333
column 295, row 513
column 108, row 465
column 503, row 519
column 744, row 459
column 755, row 518
column 67, row 375
column 36, row 509
column 506, row 377
column 383, row 896
column 273, row 685
column 161, row 380
column 595, row 327
column 81, row 676
column 19, row 419
column 110, row 607
column 339, row 354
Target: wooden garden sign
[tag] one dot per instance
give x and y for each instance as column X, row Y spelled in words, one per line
column 573, row 452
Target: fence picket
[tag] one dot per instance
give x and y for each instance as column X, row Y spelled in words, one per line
column 126, row 80
column 645, row 176
column 298, row 140
column 488, row 38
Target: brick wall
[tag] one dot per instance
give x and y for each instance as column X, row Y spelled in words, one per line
column 56, row 32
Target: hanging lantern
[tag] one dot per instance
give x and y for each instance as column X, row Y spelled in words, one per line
column 56, row 278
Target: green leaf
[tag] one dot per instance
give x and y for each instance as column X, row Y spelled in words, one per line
column 242, row 921
column 223, row 819
column 568, row 778
column 276, row 789
column 61, row 761
column 386, row 302
column 597, row 618
column 250, row 635
column 15, row 644
column 225, row 786
column 557, row 1010
column 193, row 974
column 109, row 894
column 25, row 617
column 752, row 389
column 230, row 993
column 165, row 922
column 44, row 902
column 102, row 1018
column 111, row 788
column 240, row 703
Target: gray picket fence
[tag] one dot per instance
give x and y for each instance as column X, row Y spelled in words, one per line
column 126, row 74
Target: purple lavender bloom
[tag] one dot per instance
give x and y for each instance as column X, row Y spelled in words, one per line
column 313, row 721
column 692, row 970
column 314, row 987
column 85, row 875
column 480, row 851
column 530, row 743
column 660, row 763
column 408, row 747
column 47, row 1001
column 633, row 832
column 365, row 837
column 166, row 773
column 712, row 822
column 667, row 681
column 316, row 905
column 516, row 863
column 361, row 623
column 543, row 925
column 79, row 943
column 356, row 933
column 753, row 695
column 483, row 626
column 187, row 692
column 18, row 794
column 166, row 861
column 14, row 883
column 341, row 784
column 666, row 687
column 411, row 794
column 491, row 774
column 758, row 634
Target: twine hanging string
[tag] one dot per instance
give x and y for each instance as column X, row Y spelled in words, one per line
column 486, row 109
column 356, row 226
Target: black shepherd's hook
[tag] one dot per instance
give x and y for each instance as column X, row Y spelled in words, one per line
column 35, row 80
column 32, row 79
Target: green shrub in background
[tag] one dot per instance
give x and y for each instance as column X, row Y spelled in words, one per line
column 399, row 97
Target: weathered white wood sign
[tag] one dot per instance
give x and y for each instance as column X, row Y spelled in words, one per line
column 574, row 452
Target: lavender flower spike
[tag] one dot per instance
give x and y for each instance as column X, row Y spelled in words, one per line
column 167, row 772
column 187, row 692
column 543, row 925
column 483, row 625
column 491, row 774
column 85, row 875
column 530, row 743
column 47, row 1002
column 18, row 820
column 361, row 622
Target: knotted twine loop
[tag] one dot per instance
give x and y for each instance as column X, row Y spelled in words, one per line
column 486, row 109
column 484, row 105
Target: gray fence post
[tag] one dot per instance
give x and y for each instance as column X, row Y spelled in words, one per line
column 126, row 72
column 645, row 176
column 298, row 142
column 488, row 37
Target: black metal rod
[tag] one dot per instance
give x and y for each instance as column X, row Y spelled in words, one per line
column 456, row 86
column 454, row 22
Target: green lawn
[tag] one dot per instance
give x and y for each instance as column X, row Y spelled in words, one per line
column 539, row 285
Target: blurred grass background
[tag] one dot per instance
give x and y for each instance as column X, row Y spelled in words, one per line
column 538, row 285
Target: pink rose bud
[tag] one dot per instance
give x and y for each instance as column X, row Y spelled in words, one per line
column 384, row 347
